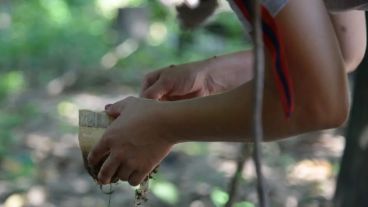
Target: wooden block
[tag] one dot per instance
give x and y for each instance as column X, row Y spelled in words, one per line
column 93, row 119
column 92, row 126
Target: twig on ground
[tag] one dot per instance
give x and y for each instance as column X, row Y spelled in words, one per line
column 244, row 154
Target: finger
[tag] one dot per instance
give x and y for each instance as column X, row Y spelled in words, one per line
column 124, row 172
column 108, row 170
column 149, row 80
column 98, row 152
column 137, row 177
column 115, row 109
column 156, row 91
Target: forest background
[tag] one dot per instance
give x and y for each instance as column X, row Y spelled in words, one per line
column 58, row 56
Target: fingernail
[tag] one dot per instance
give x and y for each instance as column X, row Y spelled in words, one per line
column 107, row 106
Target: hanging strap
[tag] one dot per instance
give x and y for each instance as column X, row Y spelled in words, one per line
column 274, row 44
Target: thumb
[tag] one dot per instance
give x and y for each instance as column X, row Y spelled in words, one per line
column 115, row 109
column 156, row 91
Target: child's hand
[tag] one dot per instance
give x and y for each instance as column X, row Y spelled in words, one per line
column 134, row 144
column 198, row 79
column 176, row 82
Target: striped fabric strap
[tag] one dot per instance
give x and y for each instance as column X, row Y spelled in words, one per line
column 273, row 42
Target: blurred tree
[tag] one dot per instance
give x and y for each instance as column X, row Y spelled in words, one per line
column 191, row 17
column 352, row 184
column 132, row 23
column 49, row 39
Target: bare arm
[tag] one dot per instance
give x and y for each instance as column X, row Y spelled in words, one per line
column 145, row 130
column 226, row 72
column 319, row 79
column 350, row 30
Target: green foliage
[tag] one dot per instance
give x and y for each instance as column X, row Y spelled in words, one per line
column 244, row 204
column 15, row 164
column 219, row 197
column 11, row 119
column 51, row 37
column 46, row 38
column 11, row 83
column 8, row 122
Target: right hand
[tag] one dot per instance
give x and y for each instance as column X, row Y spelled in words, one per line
column 178, row 82
column 186, row 81
column 135, row 142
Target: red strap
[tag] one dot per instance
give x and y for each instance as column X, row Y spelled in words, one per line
column 275, row 45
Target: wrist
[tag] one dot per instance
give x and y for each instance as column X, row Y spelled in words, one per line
column 181, row 120
column 224, row 73
column 213, row 74
column 167, row 119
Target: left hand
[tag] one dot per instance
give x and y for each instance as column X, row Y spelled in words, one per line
column 135, row 142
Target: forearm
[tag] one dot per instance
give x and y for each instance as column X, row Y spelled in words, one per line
column 228, row 116
column 224, row 117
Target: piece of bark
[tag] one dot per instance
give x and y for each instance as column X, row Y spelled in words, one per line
column 92, row 126
column 89, row 118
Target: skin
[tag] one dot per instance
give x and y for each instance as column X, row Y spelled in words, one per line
column 351, row 33
column 200, row 78
column 145, row 130
column 208, row 77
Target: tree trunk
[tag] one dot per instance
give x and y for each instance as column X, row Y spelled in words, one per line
column 352, row 184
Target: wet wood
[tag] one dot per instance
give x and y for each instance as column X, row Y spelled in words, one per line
column 92, row 126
